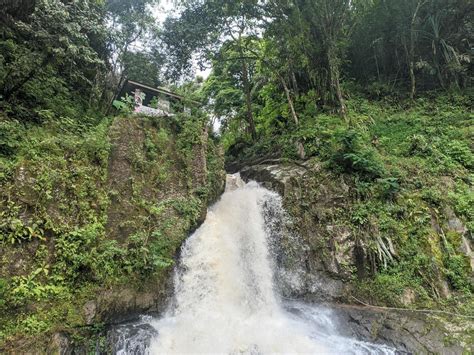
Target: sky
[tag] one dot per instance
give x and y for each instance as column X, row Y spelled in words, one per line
column 164, row 8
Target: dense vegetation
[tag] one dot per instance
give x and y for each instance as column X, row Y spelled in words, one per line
column 408, row 173
column 91, row 205
column 87, row 210
column 379, row 92
column 274, row 59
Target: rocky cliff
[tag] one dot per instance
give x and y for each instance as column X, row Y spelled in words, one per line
column 340, row 249
column 92, row 223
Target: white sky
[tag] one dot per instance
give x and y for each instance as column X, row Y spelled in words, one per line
column 161, row 10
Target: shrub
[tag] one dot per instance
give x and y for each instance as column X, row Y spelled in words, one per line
column 460, row 152
column 190, row 208
column 11, row 134
column 432, row 196
column 388, row 187
column 419, row 145
column 457, row 272
column 385, row 288
column 3, row 291
column 352, row 156
column 379, row 90
column 147, row 253
column 125, row 105
column 76, row 253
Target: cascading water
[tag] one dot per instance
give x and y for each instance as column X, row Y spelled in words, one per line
column 226, row 300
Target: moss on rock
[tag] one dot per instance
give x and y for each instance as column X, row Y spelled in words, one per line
column 92, row 221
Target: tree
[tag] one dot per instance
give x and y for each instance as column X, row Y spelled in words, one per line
column 197, row 35
column 327, row 19
column 73, row 52
column 231, row 84
column 410, row 48
column 130, row 22
column 65, row 39
column 143, row 66
column 411, row 44
column 16, row 9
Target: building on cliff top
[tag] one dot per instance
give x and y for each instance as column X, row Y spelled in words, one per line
column 155, row 101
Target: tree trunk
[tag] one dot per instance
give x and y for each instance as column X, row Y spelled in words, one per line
column 411, row 69
column 299, row 145
column 248, row 100
column 377, row 64
column 335, row 82
column 411, row 52
column 8, row 93
column 295, row 83
column 290, row 101
column 437, row 66
column 340, row 98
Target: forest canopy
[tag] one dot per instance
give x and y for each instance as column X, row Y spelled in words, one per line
column 66, row 57
column 371, row 99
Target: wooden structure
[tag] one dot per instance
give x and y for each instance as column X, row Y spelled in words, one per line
column 155, row 101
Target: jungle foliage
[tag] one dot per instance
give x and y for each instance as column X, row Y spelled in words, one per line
column 278, row 58
column 379, row 92
column 61, row 240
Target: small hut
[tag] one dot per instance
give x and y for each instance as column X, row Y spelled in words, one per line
column 155, row 101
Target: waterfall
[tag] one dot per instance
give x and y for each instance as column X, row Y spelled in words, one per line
column 226, row 298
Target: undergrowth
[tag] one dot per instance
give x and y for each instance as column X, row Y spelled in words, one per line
column 411, row 175
column 57, row 249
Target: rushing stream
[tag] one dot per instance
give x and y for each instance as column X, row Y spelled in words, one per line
column 226, row 298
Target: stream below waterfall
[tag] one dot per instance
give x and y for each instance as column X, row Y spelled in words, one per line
column 227, row 297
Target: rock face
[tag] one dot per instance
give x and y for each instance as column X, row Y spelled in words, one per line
column 125, row 218
column 130, row 183
column 140, row 196
column 455, row 225
column 274, row 177
column 330, row 257
column 328, row 251
column 125, row 303
column 320, row 205
column 407, row 332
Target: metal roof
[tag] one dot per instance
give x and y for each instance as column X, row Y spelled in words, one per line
column 160, row 90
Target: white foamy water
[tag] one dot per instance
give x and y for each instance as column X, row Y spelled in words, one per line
column 226, row 301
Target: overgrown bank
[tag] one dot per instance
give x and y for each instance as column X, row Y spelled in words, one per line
column 92, row 218
column 384, row 204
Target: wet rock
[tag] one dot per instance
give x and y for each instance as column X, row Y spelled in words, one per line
column 273, row 177
column 326, row 247
column 131, row 338
column 90, row 309
column 467, row 249
column 409, row 332
column 454, row 223
column 125, row 303
column 408, row 297
column 330, row 252
column 59, row 344
column 321, row 288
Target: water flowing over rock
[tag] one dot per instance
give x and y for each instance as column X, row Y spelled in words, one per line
column 227, row 289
